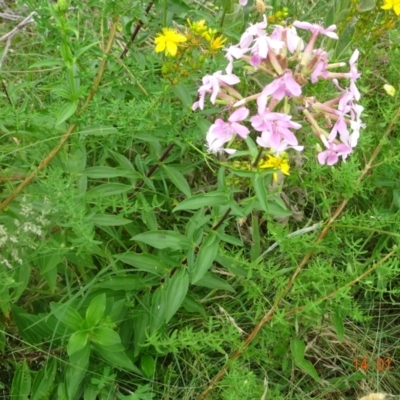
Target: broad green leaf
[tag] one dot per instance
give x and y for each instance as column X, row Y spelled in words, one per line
column 95, row 311
column 45, row 380
column 212, row 281
column 109, row 220
column 337, row 322
column 48, row 264
column 21, row 383
column 79, row 362
column 178, row 180
column 102, row 172
column 144, row 262
column 261, row 192
column 190, row 304
column 77, row 342
column 122, row 283
column 99, row 130
column 177, row 288
column 205, row 257
column 164, row 239
column 117, row 358
column 67, row 315
column 147, row 364
column 50, row 62
column 66, row 111
column 109, row 189
column 202, row 200
column 104, row 336
column 184, row 95
column 158, row 309
column 298, row 348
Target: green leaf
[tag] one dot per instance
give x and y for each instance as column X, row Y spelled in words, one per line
column 178, row 180
column 104, row 336
column 157, row 309
column 95, row 311
column 116, row 358
column 45, row 380
column 67, row 315
column 202, row 200
column 49, row 62
column 205, row 257
column 99, row 130
column 212, row 281
column 109, row 220
column 261, row 192
column 190, row 304
column 66, row 111
column 164, row 239
column 77, row 342
column 21, row 383
column 82, row 50
column 103, row 172
column 177, row 288
column 109, row 189
column 298, row 348
column 337, row 322
column 148, row 365
column 144, row 262
column 182, row 92
column 48, row 264
column 79, row 362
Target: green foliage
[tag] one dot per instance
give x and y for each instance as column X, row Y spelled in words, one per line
column 135, row 263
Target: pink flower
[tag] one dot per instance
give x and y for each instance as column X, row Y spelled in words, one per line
column 289, row 36
column 320, row 66
column 233, row 52
column 211, row 84
column 341, row 128
column 333, row 152
column 260, row 49
column 254, row 30
column 243, row 2
column 316, row 29
column 277, row 129
column 222, row 132
column 278, row 88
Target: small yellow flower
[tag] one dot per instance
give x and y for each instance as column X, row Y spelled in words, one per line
column 217, row 43
column 168, row 40
column 389, row 89
column 197, row 27
column 395, row 4
column 208, row 35
column 280, row 163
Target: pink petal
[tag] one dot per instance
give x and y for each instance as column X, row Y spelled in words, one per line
column 239, row 115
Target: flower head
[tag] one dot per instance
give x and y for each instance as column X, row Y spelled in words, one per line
column 280, row 163
column 217, row 43
column 168, row 40
column 395, row 4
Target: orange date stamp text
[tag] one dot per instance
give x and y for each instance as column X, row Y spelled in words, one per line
column 380, row 364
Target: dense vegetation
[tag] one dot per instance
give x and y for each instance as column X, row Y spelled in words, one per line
column 168, row 231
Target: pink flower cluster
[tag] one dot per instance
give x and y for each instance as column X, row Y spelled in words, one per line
column 291, row 64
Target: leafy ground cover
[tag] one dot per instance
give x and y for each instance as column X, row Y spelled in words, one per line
column 199, row 200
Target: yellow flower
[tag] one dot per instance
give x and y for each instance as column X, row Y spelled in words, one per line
column 395, row 4
column 168, row 40
column 197, row 27
column 280, row 163
column 389, row 89
column 217, row 43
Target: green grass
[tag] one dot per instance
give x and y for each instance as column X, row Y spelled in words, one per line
column 97, row 303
